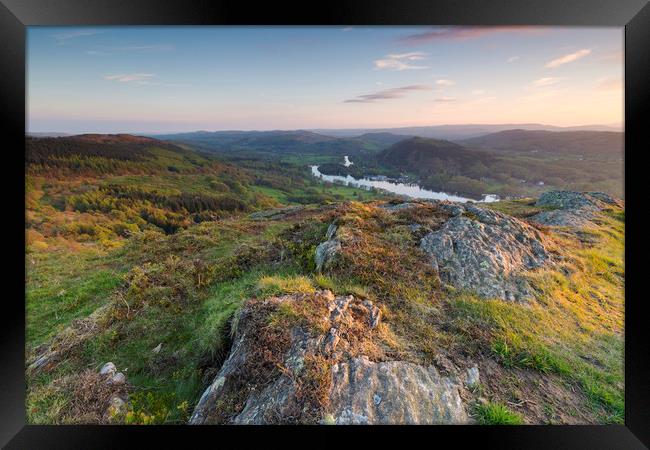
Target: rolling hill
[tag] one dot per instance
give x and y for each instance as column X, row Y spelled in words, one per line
column 589, row 144
column 285, row 142
column 422, row 155
column 458, row 132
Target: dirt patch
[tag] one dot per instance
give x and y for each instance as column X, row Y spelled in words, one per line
column 540, row 398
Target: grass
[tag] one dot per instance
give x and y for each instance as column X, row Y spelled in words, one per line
column 576, row 329
column 62, row 287
column 269, row 286
column 497, row 414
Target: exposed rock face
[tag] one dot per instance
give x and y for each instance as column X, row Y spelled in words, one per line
column 361, row 391
column 398, row 207
column 572, row 209
column 327, row 252
column 485, row 251
column 473, row 377
column 394, row 392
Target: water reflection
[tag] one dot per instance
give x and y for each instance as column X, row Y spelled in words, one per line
column 409, row 190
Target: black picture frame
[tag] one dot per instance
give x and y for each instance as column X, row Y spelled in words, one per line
column 16, row 15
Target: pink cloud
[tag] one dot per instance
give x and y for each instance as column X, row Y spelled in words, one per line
column 462, row 33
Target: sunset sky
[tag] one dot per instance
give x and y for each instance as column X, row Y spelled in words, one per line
column 169, row 79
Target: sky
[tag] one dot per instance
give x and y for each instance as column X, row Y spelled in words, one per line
column 171, row 79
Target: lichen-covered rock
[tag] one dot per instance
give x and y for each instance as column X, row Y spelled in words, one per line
column 398, row 207
column 486, row 251
column 393, row 392
column 473, row 377
column 327, row 252
column 359, row 391
column 572, row 209
column 277, row 400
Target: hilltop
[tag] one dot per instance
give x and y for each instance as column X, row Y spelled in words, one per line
column 431, row 155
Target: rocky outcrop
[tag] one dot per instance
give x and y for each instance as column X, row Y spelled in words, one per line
column 357, row 390
column 393, row 392
column 398, row 207
column 572, row 209
column 485, row 251
column 328, row 251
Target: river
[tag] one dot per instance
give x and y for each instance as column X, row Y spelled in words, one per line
column 408, row 190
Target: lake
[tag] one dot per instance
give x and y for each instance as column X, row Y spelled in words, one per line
column 408, row 190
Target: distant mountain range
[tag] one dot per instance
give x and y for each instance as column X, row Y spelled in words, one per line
column 458, row 132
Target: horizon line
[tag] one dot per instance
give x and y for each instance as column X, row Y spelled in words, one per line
column 620, row 126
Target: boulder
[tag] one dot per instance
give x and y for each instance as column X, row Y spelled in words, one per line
column 393, row 392
column 486, row 252
column 473, row 378
column 359, row 391
column 108, row 369
column 398, row 207
column 572, row 209
column 118, row 378
column 327, row 252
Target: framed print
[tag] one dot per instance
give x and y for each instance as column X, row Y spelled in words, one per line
column 378, row 219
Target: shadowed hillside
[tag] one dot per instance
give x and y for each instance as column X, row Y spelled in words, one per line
column 605, row 145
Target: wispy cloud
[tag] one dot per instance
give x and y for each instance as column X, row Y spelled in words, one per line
column 387, row 94
column 348, row 29
column 547, row 81
column 131, row 77
column 444, row 100
column 478, row 91
column 609, row 84
column 142, row 79
column 567, row 58
column 140, row 48
column 108, row 50
column 401, row 61
column 481, row 101
column 62, row 38
column 512, row 59
column 463, row 33
column 445, row 83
